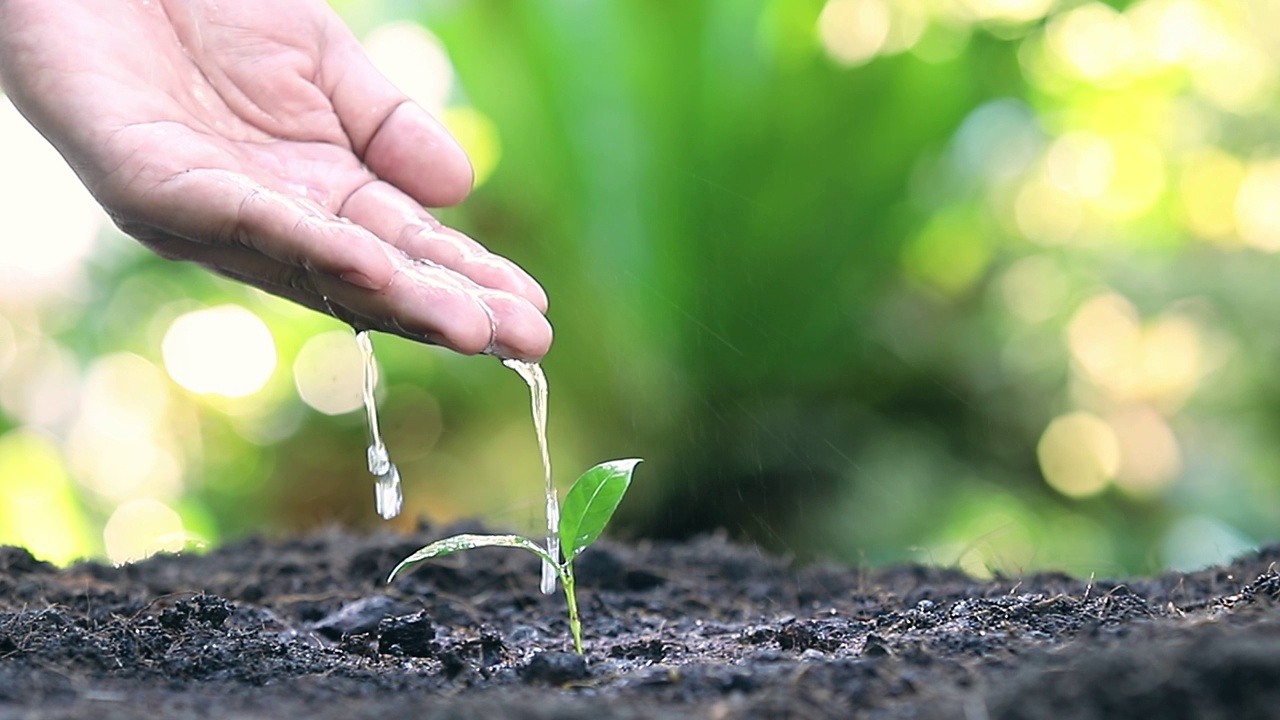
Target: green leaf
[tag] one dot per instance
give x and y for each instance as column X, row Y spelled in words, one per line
column 458, row 543
column 591, row 502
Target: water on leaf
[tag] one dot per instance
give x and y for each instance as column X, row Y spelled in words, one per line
column 388, row 496
column 537, row 381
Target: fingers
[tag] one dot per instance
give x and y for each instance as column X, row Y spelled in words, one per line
column 431, row 302
column 299, row 251
column 222, row 208
column 422, row 302
column 399, row 219
column 394, row 136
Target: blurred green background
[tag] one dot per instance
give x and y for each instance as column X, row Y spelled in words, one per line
column 978, row 282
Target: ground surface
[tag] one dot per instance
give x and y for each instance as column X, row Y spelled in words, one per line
column 306, row 628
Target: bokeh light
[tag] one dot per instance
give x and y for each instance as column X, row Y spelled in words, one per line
column 1150, row 457
column 1008, row 234
column 120, row 446
column 38, row 507
column 998, row 141
column 950, row 254
column 1035, row 288
column 416, row 61
column 1082, row 163
column 477, row 134
column 49, row 221
column 1210, row 182
column 1171, row 362
column 1240, row 80
column 41, row 385
column 1176, row 32
column 1010, row 11
column 1079, row 454
column 1159, row 361
column 854, row 31
column 1094, row 40
column 329, row 373
column 1257, row 210
column 1047, row 214
column 412, row 58
column 141, row 528
column 224, row 350
column 1105, row 339
column 1137, row 180
column 124, row 395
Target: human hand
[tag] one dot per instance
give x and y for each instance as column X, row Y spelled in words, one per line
column 254, row 137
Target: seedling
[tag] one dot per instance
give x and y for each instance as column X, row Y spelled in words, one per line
column 587, row 510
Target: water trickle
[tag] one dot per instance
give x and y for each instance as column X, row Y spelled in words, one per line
column 387, row 494
column 537, row 381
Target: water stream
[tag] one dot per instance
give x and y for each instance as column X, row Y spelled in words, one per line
column 537, row 381
column 387, row 494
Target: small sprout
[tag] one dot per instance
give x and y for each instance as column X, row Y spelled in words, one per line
column 587, row 510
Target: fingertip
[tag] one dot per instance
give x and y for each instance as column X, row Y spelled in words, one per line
column 454, row 319
column 456, row 182
column 360, row 280
column 462, row 254
column 522, row 330
column 537, row 295
column 370, row 265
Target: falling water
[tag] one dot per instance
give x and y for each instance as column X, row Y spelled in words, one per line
column 387, row 495
column 537, row 380
column 387, row 492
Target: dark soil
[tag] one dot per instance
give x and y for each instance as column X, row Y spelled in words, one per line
column 306, row 628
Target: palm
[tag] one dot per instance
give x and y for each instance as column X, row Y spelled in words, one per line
column 248, row 102
column 257, row 140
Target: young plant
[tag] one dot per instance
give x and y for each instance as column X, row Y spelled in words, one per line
column 587, row 510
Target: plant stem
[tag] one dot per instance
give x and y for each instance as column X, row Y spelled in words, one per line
column 575, row 622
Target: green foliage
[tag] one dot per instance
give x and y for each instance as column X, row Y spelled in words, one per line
column 836, row 303
column 468, row 541
column 590, row 504
column 587, row 510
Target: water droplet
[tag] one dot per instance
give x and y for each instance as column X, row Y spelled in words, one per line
column 387, row 495
column 379, row 461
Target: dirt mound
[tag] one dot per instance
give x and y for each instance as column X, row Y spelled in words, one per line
column 306, row 627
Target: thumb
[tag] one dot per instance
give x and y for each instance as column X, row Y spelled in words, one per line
column 395, row 137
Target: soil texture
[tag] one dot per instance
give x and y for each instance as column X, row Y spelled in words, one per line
column 307, row 628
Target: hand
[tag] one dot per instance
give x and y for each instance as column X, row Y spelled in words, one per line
column 254, row 137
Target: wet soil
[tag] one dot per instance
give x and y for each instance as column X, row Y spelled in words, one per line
column 306, row 628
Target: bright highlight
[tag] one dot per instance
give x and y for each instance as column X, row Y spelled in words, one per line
column 329, row 372
column 48, row 221
column 414, row 60
column 1257, row 207
column 141, row 528
column 38, row 508
column 854, row 31
column 224, row 350
column 1079, row 453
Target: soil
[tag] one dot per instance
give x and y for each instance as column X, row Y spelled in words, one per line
column 307, row 628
